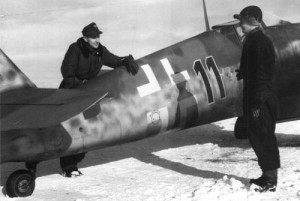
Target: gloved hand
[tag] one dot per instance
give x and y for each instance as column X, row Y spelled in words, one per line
column 70, row 83
column 131, row 66
column 238, row 74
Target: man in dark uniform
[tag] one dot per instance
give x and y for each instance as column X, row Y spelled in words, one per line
column 82, row 62
column 257, row 70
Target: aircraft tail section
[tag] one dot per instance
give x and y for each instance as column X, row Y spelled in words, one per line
column 11, row 76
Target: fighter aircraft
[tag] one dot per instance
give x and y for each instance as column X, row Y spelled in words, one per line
column 188, row 84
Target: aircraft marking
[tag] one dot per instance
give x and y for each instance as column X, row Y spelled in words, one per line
column 158, row 120
column 198, row 68
column 210, row 64
column 155, row 117
column 169, row 70
column 186, row 112
column 152, row 86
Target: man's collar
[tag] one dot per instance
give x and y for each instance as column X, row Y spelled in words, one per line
column 86, row 48
column 254, row 30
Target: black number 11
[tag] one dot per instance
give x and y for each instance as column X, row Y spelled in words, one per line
column 210, row 64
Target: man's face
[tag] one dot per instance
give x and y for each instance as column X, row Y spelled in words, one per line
column 94, row 42
column 246, row 26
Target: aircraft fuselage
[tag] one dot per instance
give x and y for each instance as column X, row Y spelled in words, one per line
column 187, row 84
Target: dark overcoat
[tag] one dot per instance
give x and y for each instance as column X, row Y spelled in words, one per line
column 83, row 62
column 257, row 69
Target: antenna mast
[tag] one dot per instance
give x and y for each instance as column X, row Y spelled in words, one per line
column 205, row 16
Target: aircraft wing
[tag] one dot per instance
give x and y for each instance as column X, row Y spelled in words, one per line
column 37, row 108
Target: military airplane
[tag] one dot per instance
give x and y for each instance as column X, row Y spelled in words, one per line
column 188, row 84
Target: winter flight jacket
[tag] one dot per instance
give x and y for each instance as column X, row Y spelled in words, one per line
column 83, row 62
column 257, row 68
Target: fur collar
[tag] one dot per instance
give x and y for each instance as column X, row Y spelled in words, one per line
column 86, row 49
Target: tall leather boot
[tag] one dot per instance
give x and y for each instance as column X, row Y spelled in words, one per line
column 267, row 182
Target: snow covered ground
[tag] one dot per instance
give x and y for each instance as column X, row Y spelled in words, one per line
column 205, row 163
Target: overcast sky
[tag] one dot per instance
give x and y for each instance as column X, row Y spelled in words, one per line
column 35, row 34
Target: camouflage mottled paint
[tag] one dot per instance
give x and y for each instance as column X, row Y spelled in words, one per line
column 134, row 111
column 33, row 144
column 127, row 116
column 10, row 75
column 40, row 108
